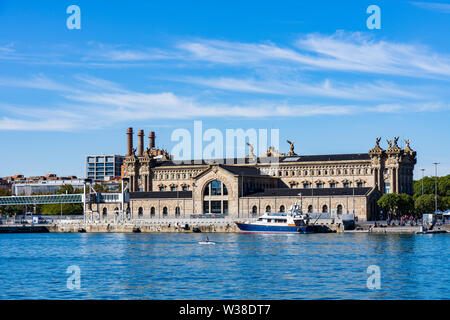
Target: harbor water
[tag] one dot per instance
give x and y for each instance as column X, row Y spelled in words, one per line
column 238, row 266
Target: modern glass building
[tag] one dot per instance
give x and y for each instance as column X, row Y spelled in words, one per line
column 99, row 167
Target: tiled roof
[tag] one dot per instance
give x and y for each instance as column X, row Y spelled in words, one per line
column 161, row 194
column 245, row 171
column 283, row 159
column 287, row 192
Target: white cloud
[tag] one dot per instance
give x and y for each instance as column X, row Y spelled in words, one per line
column 377, row 90
column 107, row 104
column 35, row 82
column 346, row 52
column 435, row 6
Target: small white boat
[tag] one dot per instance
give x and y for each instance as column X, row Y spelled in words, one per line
column 206, row 242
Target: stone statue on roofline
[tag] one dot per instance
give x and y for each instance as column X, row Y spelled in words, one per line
column 291, row 151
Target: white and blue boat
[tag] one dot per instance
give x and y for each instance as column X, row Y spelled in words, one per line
column 291, row 222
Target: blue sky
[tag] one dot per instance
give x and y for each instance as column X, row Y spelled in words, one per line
column 311, row 69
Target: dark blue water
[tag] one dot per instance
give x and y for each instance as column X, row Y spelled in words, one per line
column 239, row 266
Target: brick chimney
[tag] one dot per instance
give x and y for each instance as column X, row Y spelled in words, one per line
column 140, row 143
column 151, row 140
column 129, row 141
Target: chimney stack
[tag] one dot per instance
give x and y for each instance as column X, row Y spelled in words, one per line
column 129, row 141
column 151, row 140
column 140, row 143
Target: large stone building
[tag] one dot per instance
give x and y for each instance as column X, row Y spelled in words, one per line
column 341, row 183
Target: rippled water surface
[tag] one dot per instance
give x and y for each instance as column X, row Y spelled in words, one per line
column 239, row 266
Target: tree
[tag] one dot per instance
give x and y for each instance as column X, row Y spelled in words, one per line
column 5, row 192
column 67, row 209
column 444, row 186
column 389, row 202
column 397, row 204
column 428, row 186
column 427, row 204
column 445, row 203
column 406, row 204
column 424, row 204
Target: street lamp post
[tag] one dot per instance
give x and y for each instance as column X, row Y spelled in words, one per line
column 435, row 186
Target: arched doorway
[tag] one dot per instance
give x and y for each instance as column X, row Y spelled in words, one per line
column 177, row 211
column 268, row 209
column 165, row 212
column 254, row 211
column 310, row 209
column 105, row 213
column 140, row 213
column 325, row 209
column 215, row 198
column 152, row 212
column 282, row 209
column 339, row 209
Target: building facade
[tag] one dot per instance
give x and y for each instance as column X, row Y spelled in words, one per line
column 247, row 187
column 27, row 188
column 103, row 167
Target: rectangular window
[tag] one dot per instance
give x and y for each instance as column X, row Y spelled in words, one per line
column 205, row 206
column 216, row 207
column 225, row 207
column 215, row 188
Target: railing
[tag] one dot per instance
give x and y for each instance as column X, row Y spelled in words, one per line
column 207, row 216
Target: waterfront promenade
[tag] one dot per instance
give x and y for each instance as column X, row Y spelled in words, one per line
column 187, row 225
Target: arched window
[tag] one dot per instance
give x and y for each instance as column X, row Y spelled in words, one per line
column 310, row 209
column 324, row 208
column 339, row 209
column 254, row 210
column 152, row 212
column 165, row 212
column 177, row 211
column 116, row 211
column 215, row 198
column 281, row 208
column 105, row 213
column 140, row 213
column 268, row 209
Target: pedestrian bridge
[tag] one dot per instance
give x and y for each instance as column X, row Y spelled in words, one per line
column 62, row 199
column 41, row 199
